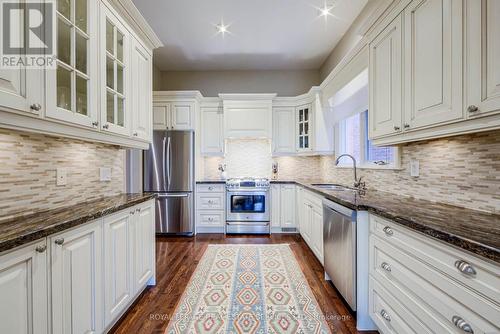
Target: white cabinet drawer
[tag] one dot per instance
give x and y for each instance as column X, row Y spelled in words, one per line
column 210, row 188
column 390, row 316
column 486, row 281
column 210, row 218
column 206, row 201
column 441, row 296
column 315, row 200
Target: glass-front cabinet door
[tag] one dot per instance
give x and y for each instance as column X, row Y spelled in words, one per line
column 115, row 72
column 72, row 85
column 304, row 121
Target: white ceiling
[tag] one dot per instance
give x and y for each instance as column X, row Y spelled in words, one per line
column 265, row 34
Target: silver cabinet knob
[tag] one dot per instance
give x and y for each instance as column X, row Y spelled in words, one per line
column 135, row 134
column 210, row 188
column 210, row 202
column 59, row 241
column 462, row 324
column 36, row 106
column 138, row 210
column 385, row 315
column 472, row 108
column 386, row 266
column 406, row 126
column 388, row 231
column 41, row 248
column 465, row 268
column 105, row 126
column 96, row 123
column 210, row 219
column 132, row 212
column 397, row 128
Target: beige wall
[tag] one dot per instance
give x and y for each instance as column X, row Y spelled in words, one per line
column 212, row 83
column 28, row 172
column 156, row 78
column 349, row 40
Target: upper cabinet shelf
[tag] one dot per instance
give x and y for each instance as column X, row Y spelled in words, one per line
column 101, row 87
column 434, row 71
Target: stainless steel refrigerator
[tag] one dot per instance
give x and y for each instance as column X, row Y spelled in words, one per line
column 169, row 172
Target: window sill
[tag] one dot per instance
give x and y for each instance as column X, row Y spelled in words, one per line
column 372, row 166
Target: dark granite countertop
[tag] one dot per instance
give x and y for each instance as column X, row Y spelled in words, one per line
column 21, row 230
column 474, row 231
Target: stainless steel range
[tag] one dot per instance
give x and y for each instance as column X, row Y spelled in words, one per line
column 248, row 206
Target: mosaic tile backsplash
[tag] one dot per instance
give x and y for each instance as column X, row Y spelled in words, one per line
column 462, row 170
column 28, row 165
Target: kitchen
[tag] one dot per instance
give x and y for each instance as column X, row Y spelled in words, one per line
column 227, row 170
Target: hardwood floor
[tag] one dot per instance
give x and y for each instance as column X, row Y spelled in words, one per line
column 176, row 260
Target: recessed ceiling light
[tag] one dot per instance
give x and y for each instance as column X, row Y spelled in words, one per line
column 326, row 10
column 222, row 28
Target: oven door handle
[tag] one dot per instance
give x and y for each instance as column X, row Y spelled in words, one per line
column 249, row 223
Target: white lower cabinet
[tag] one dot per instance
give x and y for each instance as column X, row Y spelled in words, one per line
column 419, row 285
column 275, row 206
column 117, row 264
column 76, row 271
column 23, row 290
column 287, row 199
column 143, row 235
column 311, row 221
column 210, row 207
column 317, row 231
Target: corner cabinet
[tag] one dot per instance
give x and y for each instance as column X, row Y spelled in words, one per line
column 100, row 88
column 284, row 131
column 23, row 290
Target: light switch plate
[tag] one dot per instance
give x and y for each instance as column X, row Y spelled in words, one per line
column 414, row 168
column 61, row 176
column 105, row 174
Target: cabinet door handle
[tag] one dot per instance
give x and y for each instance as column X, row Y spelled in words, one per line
column 462, row 324
column 406, row 126
column 465, row 268
column 472, row 108
column 397, row 128
column 138, row 210
column 132, row 212
column 386, row 266
column 96, row 123
column 41, row 248
column 385, row 315
column 59, row 241
column 105, row 126
column 135, row 134
column 388, row 231
column 36, row 106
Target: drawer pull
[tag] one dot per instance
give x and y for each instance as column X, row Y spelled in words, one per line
column 462, row 324
column 386, row 266
column 210, row 219
column 210, row 202
column 210, row 188
column 59, row 241
column 385, row 315
column 41, row 248
column 388, row 231
column 465, row 268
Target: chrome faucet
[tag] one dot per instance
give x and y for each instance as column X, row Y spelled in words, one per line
column 358, row 184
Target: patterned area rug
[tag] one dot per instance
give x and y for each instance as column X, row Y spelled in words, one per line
column 248, row 289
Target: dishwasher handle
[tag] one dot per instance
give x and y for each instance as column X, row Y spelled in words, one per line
column 339, row 209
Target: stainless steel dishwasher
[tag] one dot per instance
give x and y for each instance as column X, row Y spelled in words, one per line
column 339, row 242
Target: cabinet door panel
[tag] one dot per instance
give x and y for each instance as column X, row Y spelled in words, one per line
column 317, row 232
column 385, row 81
column 117, row 265
column 284, row 130
column 77, row 280
column 307, row 216
column 182, row 115
column 287, row 206
column 275, row 205
column 212, row 135
column 433, row 62
column 23, row 291
column 144, row 248
column 141, row 91
column 482, row 49
column 161, row 116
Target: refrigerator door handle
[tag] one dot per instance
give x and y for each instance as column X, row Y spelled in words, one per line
column 164, row 167
column 172, row 195
column 169, row 160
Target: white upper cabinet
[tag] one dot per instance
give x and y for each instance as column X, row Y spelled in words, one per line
column 23, row 287
column 385, row 81
column 175, row 110
column 433, row 62
column 76, row 272
column 115, row 74
column 212, row 131
column 284, row 130
column 20, row 90
column 304, row 128
column 482, row 57
column 72, row 88
column 183, row 114
column 142, row 91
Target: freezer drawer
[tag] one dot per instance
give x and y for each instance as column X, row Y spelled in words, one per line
column 175, row 213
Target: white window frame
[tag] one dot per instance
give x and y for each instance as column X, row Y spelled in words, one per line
column 361, row 162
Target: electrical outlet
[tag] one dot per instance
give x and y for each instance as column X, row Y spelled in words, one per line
column 414, row 168
column 61, row 176
column 105, row 174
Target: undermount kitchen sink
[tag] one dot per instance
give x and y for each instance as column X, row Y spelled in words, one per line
column 332, row 186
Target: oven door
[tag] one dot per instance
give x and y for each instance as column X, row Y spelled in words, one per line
column 247, row 206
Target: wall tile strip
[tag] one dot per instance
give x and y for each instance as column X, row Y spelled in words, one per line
column 28, row 164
